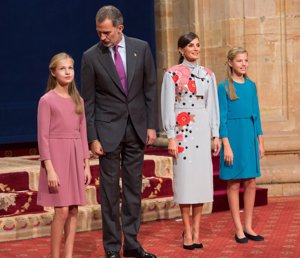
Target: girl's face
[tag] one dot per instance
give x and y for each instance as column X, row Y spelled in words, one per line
column 239, row 64
column 64, row 72
column 191, row 52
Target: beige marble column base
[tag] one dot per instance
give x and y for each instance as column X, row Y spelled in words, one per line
column 280, row 174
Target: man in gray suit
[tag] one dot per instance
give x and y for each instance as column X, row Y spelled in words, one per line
column 121, row 114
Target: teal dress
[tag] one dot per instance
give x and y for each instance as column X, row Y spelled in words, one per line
column 240, row 123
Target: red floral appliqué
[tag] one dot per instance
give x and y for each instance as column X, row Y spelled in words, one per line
column 179, row 137
column 175, row 78
column 180, row 74
column 192, row 86
column 183, row 118
column 180, row 149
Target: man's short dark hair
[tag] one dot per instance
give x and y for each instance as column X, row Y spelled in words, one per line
column 110, row 12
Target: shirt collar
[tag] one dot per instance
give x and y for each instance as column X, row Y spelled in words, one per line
column 121, row 43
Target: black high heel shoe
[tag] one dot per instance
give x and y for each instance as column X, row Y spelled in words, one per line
column 187, row 247
column 200, row 245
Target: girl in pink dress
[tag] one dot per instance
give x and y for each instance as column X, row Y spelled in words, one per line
column 63, row 151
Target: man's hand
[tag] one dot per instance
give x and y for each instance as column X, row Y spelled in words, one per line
column 96, row 148
column 151, row 136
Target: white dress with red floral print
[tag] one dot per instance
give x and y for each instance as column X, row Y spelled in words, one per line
column 190, row 113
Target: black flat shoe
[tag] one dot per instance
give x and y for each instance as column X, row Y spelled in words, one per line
column 254, row 238
column 198, row 245
column 243, row 240
column 187, row 247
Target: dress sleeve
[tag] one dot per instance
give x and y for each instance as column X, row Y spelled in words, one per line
column 212, row 107
column 257, row 113
column 168, row 105
column 223, row 107
column 44, row 117
column 83, row 135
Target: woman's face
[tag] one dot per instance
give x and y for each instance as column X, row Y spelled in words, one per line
column 239, row 64
column 191, row 52
column 64, row 72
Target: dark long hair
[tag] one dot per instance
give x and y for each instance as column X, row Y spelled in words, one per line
column 183, row 41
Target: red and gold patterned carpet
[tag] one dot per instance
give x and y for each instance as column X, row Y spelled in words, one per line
column 279, row 222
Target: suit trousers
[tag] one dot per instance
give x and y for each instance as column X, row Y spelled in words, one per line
column 125, row 161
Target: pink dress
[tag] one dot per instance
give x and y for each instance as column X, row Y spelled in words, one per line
column 62, row 139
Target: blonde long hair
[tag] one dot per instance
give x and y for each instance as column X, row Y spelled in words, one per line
column 232, row 53
column 72, row 88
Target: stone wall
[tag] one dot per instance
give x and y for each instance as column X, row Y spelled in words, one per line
column 270, row 31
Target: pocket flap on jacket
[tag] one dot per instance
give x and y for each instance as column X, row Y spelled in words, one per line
column 103, row 117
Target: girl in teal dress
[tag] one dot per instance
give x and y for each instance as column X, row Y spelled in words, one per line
column 241, row 134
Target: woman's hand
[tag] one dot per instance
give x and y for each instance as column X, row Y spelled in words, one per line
column 173, row 148
column 217, row 146
column 228, row 154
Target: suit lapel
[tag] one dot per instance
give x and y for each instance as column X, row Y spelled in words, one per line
column 131, row 58
column 109, row 66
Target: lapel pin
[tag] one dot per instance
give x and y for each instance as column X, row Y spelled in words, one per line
column 135, row 54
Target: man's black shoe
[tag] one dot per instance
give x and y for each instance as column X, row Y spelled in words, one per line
column 112, row 254
column 138, row 253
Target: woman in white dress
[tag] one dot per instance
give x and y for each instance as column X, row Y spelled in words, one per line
column 190, row 116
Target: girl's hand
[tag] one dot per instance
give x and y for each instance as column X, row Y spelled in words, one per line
column 53, row 181
column 173, row 148
column 228, row 154
column 87, row 175
column 217, row 146
column 261, row 146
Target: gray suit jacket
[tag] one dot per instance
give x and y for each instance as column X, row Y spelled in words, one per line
column 106, row 105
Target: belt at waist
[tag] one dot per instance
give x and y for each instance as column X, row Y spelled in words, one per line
column 74, row 135
column 253, row 117
column 182, row 107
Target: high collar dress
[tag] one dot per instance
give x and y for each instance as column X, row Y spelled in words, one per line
column 190, row 113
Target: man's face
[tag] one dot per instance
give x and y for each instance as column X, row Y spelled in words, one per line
column 108, row 34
